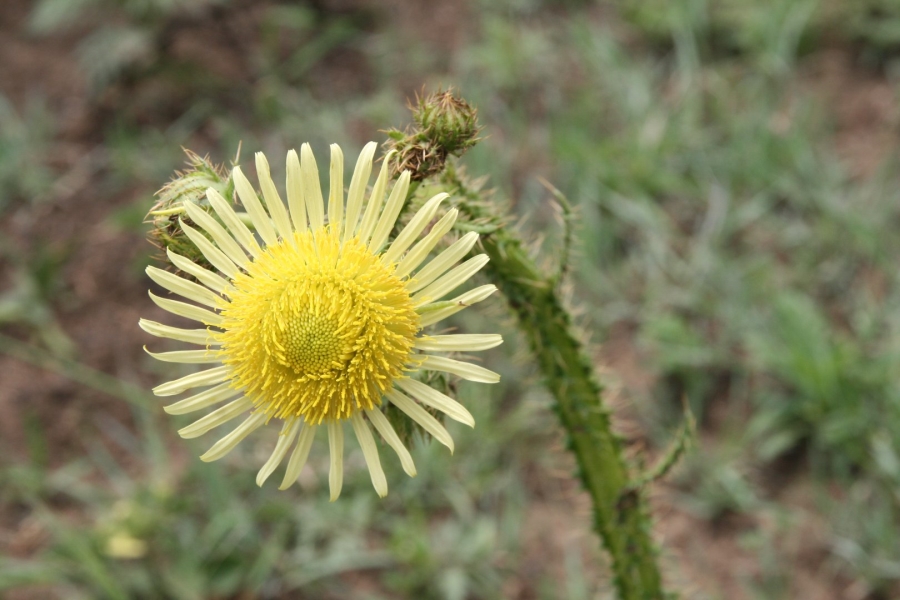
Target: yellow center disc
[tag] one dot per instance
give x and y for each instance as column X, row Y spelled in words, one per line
column 317, row 328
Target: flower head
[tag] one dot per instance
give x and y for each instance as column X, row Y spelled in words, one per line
column 315, row 319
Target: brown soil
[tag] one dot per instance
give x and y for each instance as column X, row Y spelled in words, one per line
column 864, row 105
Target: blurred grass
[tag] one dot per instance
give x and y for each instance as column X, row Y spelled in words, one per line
column 752, row 274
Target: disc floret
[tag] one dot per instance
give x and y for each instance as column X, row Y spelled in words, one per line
column 317, row 329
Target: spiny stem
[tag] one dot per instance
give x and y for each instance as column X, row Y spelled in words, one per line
column 568, row 217
column 620, row 514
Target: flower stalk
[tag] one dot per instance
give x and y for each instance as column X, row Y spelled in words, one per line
column 620, row 513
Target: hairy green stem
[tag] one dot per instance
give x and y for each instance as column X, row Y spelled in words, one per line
column 620, row 514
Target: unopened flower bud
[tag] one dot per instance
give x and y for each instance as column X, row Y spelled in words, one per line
column 189, row 185
column 448, row 121
column 445, row 125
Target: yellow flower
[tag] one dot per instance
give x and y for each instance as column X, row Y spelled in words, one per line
column 314, row 321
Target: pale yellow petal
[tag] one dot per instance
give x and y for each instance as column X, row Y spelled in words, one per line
column 285, row 438
column 358, row 184
column 459, row 342
column 429, row 396
column 336, row 452
column 467, row 371
column 420, row 416
column 203, row 337
column 442, row 262
column 451, row 280
column 412, row 230
column 220, row 416
column 189, row 357
column 376, row 199
column 216, row 257
column 473, row 296
column 221, row 237
column 312, row 189
column 250, row 200
column 273, row 200
column 298, row 456
column 370, row 453
column 234, row 224
column 211, row 280
column 389, row 215
column 393, row 440
column 183, row 287
column 336, row 190
column 213, row 395
column 188, row 311
column 295, row 192
column 199, row 379
column 420, row 251
column 227, row 443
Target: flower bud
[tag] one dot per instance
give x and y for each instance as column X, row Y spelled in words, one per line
column 448, row 121
column 189, row 185
column 445, row 125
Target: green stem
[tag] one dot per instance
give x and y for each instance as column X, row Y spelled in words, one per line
column 620, row 514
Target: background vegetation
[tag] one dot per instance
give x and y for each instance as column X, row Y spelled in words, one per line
column 735, row 170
